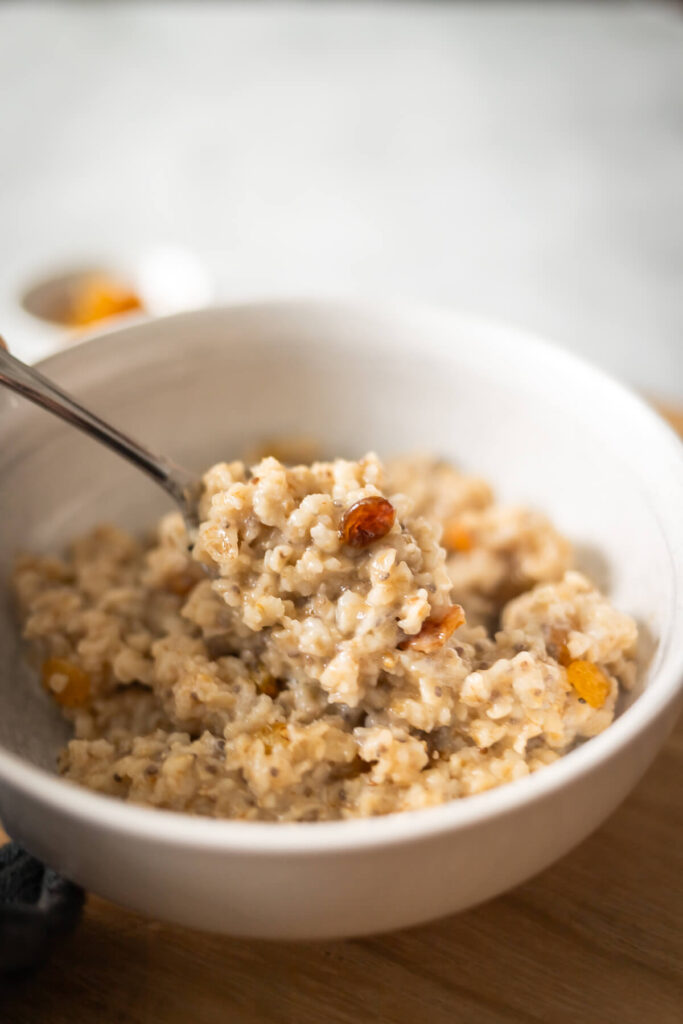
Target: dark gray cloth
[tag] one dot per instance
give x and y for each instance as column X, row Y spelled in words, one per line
column 36, row 906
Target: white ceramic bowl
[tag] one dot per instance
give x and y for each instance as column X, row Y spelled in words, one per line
column 547, row 429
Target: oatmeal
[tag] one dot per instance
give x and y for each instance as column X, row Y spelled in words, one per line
column 366, row 640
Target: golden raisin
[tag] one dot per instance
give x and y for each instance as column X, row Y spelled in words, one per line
column 435, row 632
column 556, row 645
column 291, row 451
column 267, row 684
column 75, row 692
column 457, row 537
column 366, row 520
column 181, row 583
column 589, row 681
column 352, row 769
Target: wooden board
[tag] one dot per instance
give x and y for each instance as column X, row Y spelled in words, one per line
column 596, row 939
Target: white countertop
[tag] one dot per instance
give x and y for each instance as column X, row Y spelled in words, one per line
column 518, row 160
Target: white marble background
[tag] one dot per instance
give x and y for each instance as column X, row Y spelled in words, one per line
column 524, row 161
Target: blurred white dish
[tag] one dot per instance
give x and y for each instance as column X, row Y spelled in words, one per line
column 545, row 428
column 165, row 279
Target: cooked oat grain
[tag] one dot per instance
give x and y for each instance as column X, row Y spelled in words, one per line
column 313, row 677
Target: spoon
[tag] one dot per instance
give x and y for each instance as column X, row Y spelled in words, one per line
column 184, row 487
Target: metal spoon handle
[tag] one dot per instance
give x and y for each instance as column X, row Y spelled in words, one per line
column 29, row 382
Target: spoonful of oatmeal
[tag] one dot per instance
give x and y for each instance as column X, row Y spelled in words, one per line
column 319, row 572
column 184, row 487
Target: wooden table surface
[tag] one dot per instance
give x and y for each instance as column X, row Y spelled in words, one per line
column 595, row 939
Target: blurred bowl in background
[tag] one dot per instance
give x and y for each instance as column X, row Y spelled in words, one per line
column 53, row 309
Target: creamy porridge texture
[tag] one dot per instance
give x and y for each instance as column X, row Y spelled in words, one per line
column 368, row 639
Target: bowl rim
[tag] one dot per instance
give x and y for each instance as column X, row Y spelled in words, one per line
column 312, row 838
